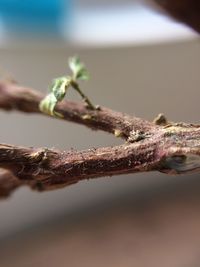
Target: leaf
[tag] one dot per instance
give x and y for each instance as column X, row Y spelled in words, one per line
column 60, row 86
column 78, row 69
column 58, row 91
column 47, row 105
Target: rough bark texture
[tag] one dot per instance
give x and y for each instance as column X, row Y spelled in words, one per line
column 173, row 148
column 14, row 97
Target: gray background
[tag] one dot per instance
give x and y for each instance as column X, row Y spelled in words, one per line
column 140, row 80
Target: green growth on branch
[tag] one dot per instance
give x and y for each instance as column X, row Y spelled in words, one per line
column 60, row 85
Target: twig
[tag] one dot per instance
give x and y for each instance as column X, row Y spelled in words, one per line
column 173, row 148
column 15, row 97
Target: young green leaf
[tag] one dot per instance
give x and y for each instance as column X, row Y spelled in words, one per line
column 58, row 91
column 60, row 86
column 47, row 105
column 78, row 69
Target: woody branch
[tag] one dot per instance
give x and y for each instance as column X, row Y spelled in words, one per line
column 163, row 146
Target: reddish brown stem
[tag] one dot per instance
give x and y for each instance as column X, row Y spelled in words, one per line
column 15, row 97
column 166, row 147
column 46, row 169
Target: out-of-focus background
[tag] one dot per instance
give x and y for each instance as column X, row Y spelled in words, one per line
column 140, row 62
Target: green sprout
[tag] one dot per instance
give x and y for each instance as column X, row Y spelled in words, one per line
column 78, row 69
column 60, row 85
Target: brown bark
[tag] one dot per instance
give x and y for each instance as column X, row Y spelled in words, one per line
column 173, row 148
column 162, row 146
column 14, row 97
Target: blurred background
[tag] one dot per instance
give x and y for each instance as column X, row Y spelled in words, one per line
column 141, row 63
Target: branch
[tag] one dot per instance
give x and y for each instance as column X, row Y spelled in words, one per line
column 173, row 148
column 15, row 97
column 45, row 169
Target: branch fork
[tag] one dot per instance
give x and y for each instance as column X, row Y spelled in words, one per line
column 149, row 146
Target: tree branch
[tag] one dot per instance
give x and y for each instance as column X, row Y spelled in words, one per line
column 167, row 147
column 45, row 169
column 15, row 97
column 172, row 148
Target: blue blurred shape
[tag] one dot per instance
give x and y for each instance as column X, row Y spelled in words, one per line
column 34, row 16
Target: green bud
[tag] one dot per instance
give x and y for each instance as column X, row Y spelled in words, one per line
column 78, row 69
